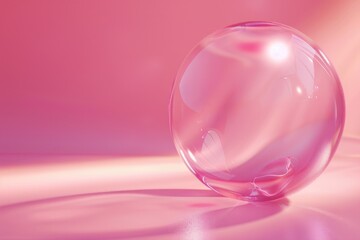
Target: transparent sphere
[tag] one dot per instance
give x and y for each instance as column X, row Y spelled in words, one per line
column 256, row 111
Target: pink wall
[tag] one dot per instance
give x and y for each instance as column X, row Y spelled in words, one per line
column 94, row 77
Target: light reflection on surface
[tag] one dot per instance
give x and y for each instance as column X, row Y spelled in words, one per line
column 123, row 203
column 278, row 51
column 298, row 90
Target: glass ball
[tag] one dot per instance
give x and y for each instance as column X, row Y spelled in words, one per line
column 256, row 111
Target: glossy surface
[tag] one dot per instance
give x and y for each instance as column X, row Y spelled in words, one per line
column 256, row 111
column 104, row 198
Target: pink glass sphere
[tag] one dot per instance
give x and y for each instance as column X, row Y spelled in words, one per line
column 256, row 111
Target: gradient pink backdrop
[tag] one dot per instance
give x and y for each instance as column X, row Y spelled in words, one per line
column 94, row 77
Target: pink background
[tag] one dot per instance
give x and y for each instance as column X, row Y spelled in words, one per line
column 94, row 77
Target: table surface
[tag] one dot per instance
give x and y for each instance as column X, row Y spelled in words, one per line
column 150, row 197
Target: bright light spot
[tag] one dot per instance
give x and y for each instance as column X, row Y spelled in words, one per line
column 191, row 155
column 323, row 55
column 278, row 51
column 298, row 89
column 182, row 154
